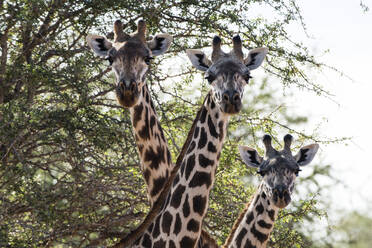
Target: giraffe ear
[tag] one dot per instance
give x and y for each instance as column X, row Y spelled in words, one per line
column 255, row 57
column 306, row 154
column 160, row 44
column 250, row 156
column 99, row 44
column 198, row 59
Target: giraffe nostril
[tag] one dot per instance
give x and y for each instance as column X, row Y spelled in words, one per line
column 225, row 97
column 122, row 86
column 132, row 86
column 236, row 98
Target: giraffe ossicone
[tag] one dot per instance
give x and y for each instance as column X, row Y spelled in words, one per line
column 278, row 170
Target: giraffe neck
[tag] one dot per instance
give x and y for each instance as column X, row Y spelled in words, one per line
column 255, row 223
column 156, row 162
column 179, row 222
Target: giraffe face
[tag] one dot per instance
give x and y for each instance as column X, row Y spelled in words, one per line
column 278, row 175
column 228, row 77
column 129, row 56
column 130, row 62
column 279, row 169
column 227, row 73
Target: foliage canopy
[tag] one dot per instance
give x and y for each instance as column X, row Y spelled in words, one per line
column 69, row 170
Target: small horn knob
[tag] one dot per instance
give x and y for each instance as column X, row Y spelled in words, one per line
column 287, row 142
column 216, row 46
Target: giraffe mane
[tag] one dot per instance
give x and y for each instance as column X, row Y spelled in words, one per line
column 156, row 208
column 236, row 224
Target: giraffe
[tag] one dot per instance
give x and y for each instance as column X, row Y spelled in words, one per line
column 130, row 56
column 178, row 224
column 279, row 170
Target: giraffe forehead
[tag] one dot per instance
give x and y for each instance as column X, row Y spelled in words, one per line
column 228, row 66
column 131, row 49
column 280, row 162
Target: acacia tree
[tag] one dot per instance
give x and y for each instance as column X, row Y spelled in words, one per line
column 69, row 170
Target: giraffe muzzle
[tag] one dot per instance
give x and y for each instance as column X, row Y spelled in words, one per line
column 127, row 94
column 281, row 197
column 231, row 102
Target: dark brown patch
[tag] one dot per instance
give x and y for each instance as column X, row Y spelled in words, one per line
column 155, row 157
column 250, row 217
column 211, row 147
column 259, row 209
column 196, row 132
column 193, row 225
column 271, row 214
column 263, row 195
column 220, row 128
column 199, row 179
column 159, row 244
column 259, row 235
column 147, row 174
column 191, row 147
column 157, row 185
column 156, row 231
column 240, row 237
column 204, row 161
column 203, row 138
column 152, row 124
column 186, row 207
column 177, row 196
column 166, row 222
column 263, row 224
column 212, row 128
column 171, row 244
column 190, row 164
column 144, row 133
column 187, row 242
column 177, row 225
column 146, row 241
column 199, row 203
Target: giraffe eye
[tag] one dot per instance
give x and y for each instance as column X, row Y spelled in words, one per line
column 261, row 172
column 111, row 55
column 148, row 60
column 210, row 78
column 247, row 77
column 110, row 59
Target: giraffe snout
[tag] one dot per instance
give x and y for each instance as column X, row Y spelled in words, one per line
column 231, row 101
column 127, row 93
column 281, row 196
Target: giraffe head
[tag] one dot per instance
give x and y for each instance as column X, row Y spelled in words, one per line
column 228, row 73
column 130, row 57
column 278, row 169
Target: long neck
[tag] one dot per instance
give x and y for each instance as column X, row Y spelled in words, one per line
column 253, row 227
column 181, row 218
column 156, row 162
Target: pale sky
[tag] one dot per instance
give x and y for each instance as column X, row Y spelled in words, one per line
column 342, row 27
